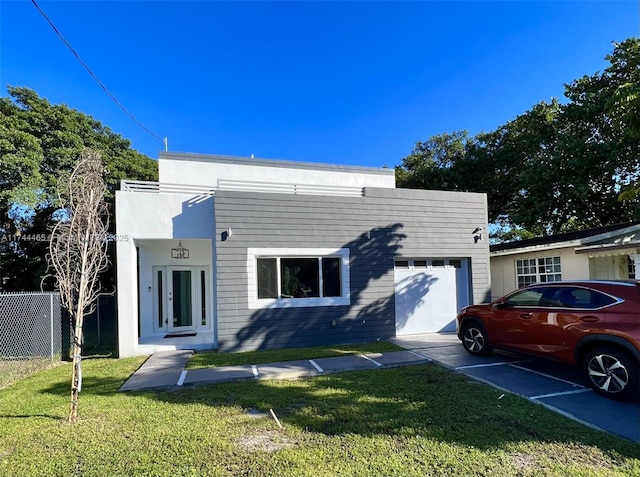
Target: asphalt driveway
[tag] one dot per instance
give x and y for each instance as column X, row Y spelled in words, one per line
column 558, row 387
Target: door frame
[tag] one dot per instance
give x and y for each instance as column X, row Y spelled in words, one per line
column 171, row 298
column 162, row 280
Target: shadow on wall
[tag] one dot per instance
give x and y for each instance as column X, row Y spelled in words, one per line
column 368, row 317
column 410, row 297
column 195, row 220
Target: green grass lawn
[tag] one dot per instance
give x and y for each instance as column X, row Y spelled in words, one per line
column 413, row 421
column 13, row 371
column 214, row 359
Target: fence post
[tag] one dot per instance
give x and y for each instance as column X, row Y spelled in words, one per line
column 51, row 322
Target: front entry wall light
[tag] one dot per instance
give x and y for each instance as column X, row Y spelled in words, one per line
column 180, row 252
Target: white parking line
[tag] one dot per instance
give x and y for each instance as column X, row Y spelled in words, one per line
column 547, row 376
column 487, row 365
column 183, row 375
column 254, row 368
column 316, row 365
column 564, row 393
column 372, row 360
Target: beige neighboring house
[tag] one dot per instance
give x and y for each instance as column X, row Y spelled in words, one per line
column 604, row 253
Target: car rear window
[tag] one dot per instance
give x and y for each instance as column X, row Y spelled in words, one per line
column 604, row 300
column 575, row 297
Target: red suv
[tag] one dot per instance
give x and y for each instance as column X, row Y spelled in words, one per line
column 592, row 324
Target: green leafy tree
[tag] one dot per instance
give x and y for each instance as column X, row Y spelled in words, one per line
column 492, row 163
column 599, row 151
column 433, row 164
column 624, row 104
column 504, row 161
column 39, row 143
column 555, row 168
column 623, row 107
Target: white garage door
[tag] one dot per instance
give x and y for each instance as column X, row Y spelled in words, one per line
column 429, row 293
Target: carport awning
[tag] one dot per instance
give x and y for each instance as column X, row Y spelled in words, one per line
column 609, row 249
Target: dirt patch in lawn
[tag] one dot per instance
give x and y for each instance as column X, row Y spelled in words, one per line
column 524, row 461
column 265, row 441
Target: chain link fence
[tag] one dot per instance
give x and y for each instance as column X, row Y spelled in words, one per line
column 36, row 333
column 30, row 326
column 99, row 330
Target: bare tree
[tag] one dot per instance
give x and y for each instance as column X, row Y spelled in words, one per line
column 78, row 251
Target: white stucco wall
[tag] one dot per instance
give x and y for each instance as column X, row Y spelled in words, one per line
column 127, row 298
column 204, row 170
column 503, row 268
column 141, row 216
column 165, row 215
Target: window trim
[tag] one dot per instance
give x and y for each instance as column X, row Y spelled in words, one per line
column 537, row 271
column 426, row 264
column 252, row 260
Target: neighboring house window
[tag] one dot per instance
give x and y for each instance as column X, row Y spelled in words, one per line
column 538, row 270
column 631, row 268
column 298, row 277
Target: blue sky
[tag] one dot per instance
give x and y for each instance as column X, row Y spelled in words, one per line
column 336, row 82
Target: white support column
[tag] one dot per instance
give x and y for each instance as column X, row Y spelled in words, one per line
column 213, row 284
column 127, row 298
column 636, row 262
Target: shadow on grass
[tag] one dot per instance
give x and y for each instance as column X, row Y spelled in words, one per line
column 30, row 416
column 101, row 377
column 91, row 386
column 422, row 400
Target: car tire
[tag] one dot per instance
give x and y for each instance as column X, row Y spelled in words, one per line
column 474, row 339
column 611, row 372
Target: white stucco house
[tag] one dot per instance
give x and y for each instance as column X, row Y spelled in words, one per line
column 603, row 253
column 235, row 253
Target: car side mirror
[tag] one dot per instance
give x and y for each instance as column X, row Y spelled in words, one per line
column 500, row 305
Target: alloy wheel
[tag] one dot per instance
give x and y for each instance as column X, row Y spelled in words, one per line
column 473, row 340
column 608, row 373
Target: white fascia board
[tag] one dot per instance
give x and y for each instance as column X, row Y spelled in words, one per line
column 620, row 248
column 536, row 248
column 246, row 161
column 568, row 244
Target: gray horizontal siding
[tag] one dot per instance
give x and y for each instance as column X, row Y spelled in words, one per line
column 402, row 223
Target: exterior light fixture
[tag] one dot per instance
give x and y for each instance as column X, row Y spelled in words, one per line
column 477, row 235
column 179, row 252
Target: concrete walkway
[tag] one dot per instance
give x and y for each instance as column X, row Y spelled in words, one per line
column 166, row 369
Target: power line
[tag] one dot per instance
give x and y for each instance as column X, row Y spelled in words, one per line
column 86, row 67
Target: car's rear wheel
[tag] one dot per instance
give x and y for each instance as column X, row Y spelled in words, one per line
column 611, row 372
column 474, row 339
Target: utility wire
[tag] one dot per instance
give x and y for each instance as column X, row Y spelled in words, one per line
column 86, row 67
